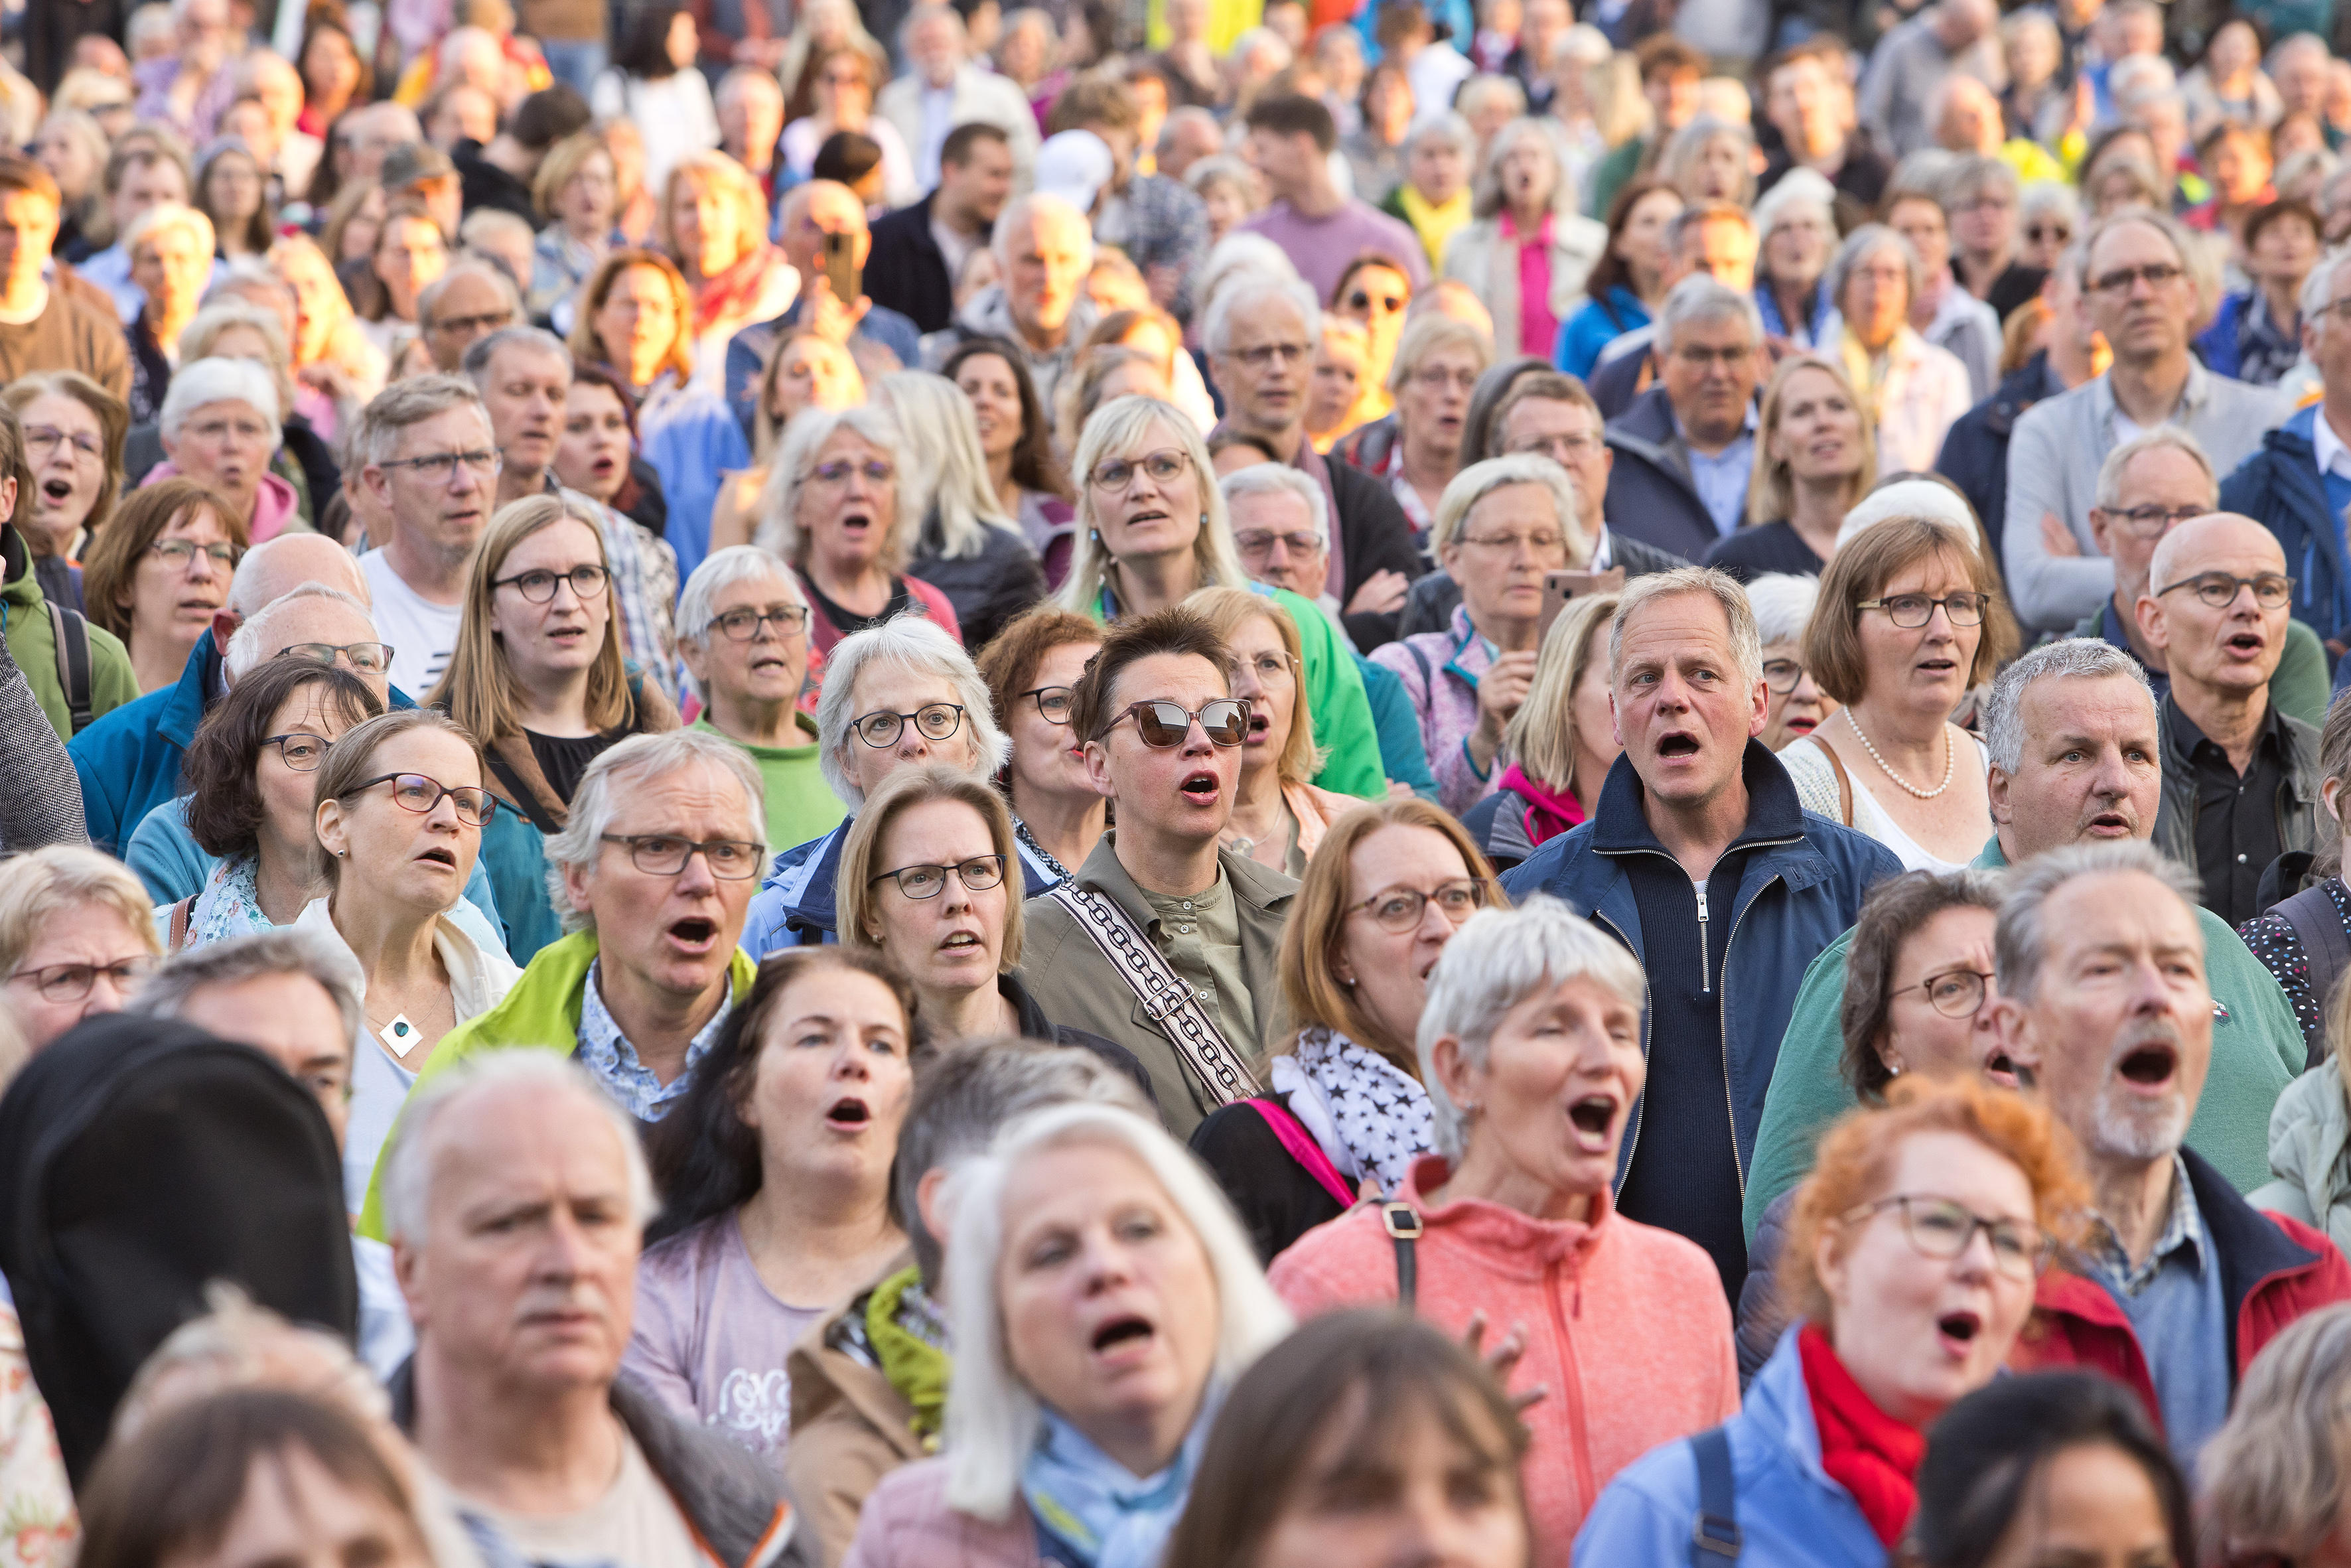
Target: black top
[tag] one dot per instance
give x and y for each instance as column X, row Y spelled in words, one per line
column 848, row 621
column 2236, row 815
column 2016, row 284
column 1763, row 547
column 564, row 758
column 1278, row 1199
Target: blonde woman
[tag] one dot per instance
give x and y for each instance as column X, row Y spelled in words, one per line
column 1530, row 248
column 714, row 224
column 77, row 936
column 336, row 369
column 1279, row 816
column 1416, row 450
column 806, row 370
column 539, row 678
column 968, row 549
column 1815, row 458
column 577, row 192
column 1342, row 362
column 1562, row 741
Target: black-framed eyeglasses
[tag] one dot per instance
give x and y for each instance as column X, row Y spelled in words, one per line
column 1160, row 466
column 488, row 321
column 742, row 625
column 419, row 793
column 2271, row 591
column 1258, row 543
column 1053, row 702
column 841, row 470
column 978, row 875
column 439, row 467
column 1912, row 611
column 2152, row 522
column 2338, row 309
column 1559, row 449
column 1264, row 354
column 2037, row 232
column 587, row 581
column 931, row 721
column 299, row 751
column 1165, row 722
column 369, row 657
column 667, row 855
column 1782, row 675
column 1954, row 993
column 1399, row 909
column 64, row 983
column 1940, row 1228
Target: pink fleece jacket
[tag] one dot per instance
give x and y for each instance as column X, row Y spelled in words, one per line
column 1625, row 1326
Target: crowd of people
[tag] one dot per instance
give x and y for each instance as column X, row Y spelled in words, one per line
column 1174, row 785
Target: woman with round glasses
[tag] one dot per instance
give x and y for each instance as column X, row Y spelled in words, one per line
column 1919, row 995
column 74, row 430
column 1911, row 1263
column 1279, row 817
column 400, row 815
column 538, row 676
column 250, row 777
column 1784, row 605
column 77, row 936
column 1393, row 882
column 1562, row 741
column 159, row 572
column 1032, row 668
column 1910, row 620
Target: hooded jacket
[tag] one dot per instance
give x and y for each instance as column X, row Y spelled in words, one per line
column 2280, row 487
column 2310, row 1150
column 28, row 615
column 1650, row 495
column 1587, row 1294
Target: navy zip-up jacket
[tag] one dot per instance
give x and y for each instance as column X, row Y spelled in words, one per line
column 2280, row 487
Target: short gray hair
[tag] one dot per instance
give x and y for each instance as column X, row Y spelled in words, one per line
column 1798, row 188
column 2162, row 438
column 1255, row 288
column 407, row 1169
column 640, row 757
column 287, row 950
column 1746, row 641
column 720, row 570
column 1022, row 213
column 910, row 641
column 412, row 400
column 2021, row 941
column 1445, row 127
column 222, row 381
column 2183, row 244
column 1782, row 602
column 1279, row 479
column 1699, row 297
column 1479, row 480
column 1859, row 247
column 428, row 300
column 248, row 647
column 2319, row 289
column 2068, row 658
column 1497, row 959
column 482, row 351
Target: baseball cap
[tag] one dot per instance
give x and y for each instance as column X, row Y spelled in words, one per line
column 1074, row 165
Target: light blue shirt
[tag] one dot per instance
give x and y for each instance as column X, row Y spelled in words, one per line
column 605, row 1052
column 111, row 270
column 938, row 119
column 1721, row 479
column 2173, row 1301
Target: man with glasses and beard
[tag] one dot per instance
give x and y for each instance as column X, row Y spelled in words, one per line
column 1162, row 733
column 2105, row 1010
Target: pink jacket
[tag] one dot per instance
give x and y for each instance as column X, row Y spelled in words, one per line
column 908, row 1524
column 274, row 505
column 1625, row 1326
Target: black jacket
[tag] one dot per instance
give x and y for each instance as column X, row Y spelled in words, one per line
column 987, row 588
column 1374, row 536
column 1650, row 495
column 1275, row 1195
column 907, row 272
column 1975, row 450
column 484, row 184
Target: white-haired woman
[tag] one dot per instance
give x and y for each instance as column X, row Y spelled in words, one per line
column 1502, row 524
column 1433, row 198
column 171, row 252
column 1562, row 741
column 1784, row 605
column 1152, row 529
column 968, row 549
column 1913, row 391
column 1102, row 1298
column 742, row 633
column 1416, row 450
column 221, row 426
column 1532, row 1053
column 1795, row 221
column 897, row 695
column 1710, row 159
column 842, row 509
column 1531, row 247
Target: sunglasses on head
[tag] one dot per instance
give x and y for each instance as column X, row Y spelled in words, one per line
column 1164, row 723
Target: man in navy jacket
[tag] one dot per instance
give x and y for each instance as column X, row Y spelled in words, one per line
column 1700, row 859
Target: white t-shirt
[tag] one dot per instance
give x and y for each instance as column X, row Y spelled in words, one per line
column 423, row 635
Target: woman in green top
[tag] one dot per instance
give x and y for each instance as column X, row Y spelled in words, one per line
column 742, row 631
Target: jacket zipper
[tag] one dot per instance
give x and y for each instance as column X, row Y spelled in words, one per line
column 1579, row 1440
column 1705, row 979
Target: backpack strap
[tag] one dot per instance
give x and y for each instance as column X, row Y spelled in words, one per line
column 1168, row 999
column 71, row 633
column 2326, row 944
column 1401, row 1222
column 180, row 914
column 1844, row 780
column 1301, row 1147
column 1715, row 1539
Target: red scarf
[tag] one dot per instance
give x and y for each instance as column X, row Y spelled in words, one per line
column 1548, row 814
column 727, row 292
column 1864, row 1449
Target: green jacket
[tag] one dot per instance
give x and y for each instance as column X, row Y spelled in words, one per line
column 542, row 1011
column 2310, row 1150
column 2257, row 1050
column 34, row 644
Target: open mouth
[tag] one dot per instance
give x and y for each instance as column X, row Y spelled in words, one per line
column 1140, row 519
column 1678, row 744
column 1123, row 1331
column 694, row 931
column 2000, row 1070
column 1801, row 725
column 1202, row 786
column 56, row 490
column 2109, row 825
column 848, row 1112
column 2246, row 644
column 858, row 523
column 440, row 856
column 2150, row 1066
column 1937, row 666
column 1959, row 1329
column 1260, row 725
column 961, row 942
column 1592, row 1115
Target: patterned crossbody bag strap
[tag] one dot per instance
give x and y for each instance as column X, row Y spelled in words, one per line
column 1168, row 999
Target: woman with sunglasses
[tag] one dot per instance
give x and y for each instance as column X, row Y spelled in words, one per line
column 399, row 817
column 1919, row 995
column 1392, row 882
column 1374, row 292
column 538, row 676
column 1032, row 668
column 1912, row 1259
column 2047, row 213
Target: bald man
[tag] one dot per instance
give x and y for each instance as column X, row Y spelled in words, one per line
column 2241, row 778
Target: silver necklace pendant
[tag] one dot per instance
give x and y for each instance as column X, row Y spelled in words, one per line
column 399, row 1035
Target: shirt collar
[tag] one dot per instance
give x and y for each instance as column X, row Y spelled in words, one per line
column 1682, row 435
column 606, row 1053
column 2184, row 1231
column 2185, row 737
column 1603, row 553
column 2328, row 448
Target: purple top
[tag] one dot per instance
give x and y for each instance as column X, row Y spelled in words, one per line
column 1320, row 248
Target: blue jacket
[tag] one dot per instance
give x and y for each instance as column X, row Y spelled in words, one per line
column 1650, row 495
column 130, row 759
column 747, row 352
column 2216, row 344
column 2280, row 487
column 1600, row 323
column 1801, row 887
column 796, row 906
column 1790, row 1511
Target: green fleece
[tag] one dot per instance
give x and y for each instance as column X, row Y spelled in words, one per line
column 2257, row 1050
column 542, row 1011
column 33, row 645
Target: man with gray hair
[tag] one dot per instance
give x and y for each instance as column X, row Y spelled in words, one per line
column 942, row 89
column 2077, row 758
column 1719, row 239
column 1260, row 331
column 432, row 466
column 1684, row 449
column 2103, row 1008
column 1044, row 250
column 1700, row 859
column 1911, row 61
column 515, row 1198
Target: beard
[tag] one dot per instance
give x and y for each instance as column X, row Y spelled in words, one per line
column 2126, row 1126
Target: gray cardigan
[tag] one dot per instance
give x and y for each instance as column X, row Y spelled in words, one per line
column 2053, row 467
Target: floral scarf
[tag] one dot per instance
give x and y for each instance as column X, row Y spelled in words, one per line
column 230, row 905
column 1378, row 1112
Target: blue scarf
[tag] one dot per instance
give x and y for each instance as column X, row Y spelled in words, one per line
column 1816, row 330
column 1093, row 1508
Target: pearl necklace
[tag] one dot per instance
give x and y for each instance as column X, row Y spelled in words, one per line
column 1951, row 760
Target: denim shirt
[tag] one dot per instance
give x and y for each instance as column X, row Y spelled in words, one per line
column 605, row 1052
column 2174, row 1301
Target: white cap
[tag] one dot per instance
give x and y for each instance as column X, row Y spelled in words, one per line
column 1937, row 504
column 1074, row 165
